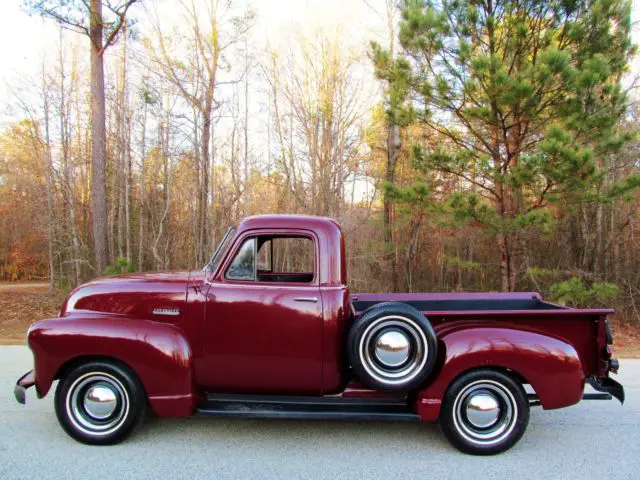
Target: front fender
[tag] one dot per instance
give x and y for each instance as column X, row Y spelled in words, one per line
column 551, row 366
column 158, row 353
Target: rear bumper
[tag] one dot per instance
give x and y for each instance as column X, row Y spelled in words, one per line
column 28, row 380
column 608, row 385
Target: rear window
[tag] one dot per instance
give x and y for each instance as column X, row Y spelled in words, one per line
column 292, row 255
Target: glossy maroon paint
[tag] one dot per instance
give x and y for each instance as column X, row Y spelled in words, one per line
column 266, row 360
column 253, row 337
column 550, row 365
column 158, row 353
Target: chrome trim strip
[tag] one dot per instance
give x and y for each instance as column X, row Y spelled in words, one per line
column 306, row 299
column 173, row 312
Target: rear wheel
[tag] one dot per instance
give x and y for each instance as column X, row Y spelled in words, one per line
column 100, row 402
column 484, row 412
column 392, row 347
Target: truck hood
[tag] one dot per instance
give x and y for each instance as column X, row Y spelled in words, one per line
column 157, row 296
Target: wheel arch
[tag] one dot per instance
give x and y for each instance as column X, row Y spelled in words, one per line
column 514, row 375
column 543, row 362
column 158, row 354
column 79, row 360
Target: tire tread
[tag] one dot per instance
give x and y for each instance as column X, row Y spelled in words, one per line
column 137, row 396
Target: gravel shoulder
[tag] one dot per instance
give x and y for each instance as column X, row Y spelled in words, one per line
column 597, row 439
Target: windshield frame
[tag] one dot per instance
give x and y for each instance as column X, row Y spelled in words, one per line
column 217, row 255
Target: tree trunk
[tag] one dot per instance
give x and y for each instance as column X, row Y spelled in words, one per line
column 141, row 242
column 204, row 192
column 127, row 191
column 49, row 187
column 394, row 144
column 98, row 151
column 246, row 129
column 505, row 269
column 198, row 165
column 161, row 260
column 121, row 155
column 66, row 167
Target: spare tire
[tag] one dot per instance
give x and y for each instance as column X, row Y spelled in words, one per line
column 392, row 347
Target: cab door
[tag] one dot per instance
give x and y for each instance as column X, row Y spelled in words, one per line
column 263, row 320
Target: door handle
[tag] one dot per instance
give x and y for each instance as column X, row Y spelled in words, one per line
column 306, row 299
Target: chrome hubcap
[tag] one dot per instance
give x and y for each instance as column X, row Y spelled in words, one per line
column 485, row 412
column 392, row 348
column 97, row 403
column 100, row 401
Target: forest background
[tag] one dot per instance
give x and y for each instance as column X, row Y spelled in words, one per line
column 463, row 146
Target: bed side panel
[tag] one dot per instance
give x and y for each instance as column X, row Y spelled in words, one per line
column 550, row 365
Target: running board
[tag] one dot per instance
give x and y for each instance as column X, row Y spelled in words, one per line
column 308, row 408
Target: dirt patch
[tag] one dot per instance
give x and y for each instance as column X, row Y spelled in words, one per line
column 626, row 340
column 23, row 304
column 24, row 287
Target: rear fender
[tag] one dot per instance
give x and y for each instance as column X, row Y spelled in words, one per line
column 158, row 353
column 551, row 366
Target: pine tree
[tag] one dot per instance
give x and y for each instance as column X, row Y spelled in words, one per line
column 525, row 97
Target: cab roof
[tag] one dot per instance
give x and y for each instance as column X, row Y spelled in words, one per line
column 332, row 261
column 308, row 222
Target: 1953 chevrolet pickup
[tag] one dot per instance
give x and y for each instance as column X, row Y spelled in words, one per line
column 269, row 329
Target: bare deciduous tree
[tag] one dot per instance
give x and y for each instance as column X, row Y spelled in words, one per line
column 88, row 18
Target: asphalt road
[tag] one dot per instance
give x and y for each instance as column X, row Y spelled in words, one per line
column 596, row 439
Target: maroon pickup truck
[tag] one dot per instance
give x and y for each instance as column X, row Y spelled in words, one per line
column 269, row 329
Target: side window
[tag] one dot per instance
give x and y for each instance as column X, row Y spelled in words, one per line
column 277, row 259
column 243, row 265
column 292, row 255
column 285, row 259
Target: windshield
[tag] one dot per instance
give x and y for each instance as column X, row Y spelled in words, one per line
column 222, row 248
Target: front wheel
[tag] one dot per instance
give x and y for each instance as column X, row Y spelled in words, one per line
column 484, row 412
column 100, row 402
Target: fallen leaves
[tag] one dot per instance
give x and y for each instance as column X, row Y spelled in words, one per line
column 21, row 307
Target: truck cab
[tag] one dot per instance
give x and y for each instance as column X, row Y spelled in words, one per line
column 276, row 301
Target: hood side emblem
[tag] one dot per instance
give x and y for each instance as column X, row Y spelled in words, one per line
column 173, row 312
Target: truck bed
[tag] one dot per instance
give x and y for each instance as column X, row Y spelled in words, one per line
column 581, row 328
column 476, row 304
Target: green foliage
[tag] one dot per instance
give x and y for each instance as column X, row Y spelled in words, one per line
column 464, row 264
column 396, row 74
column 533, row 105
column 541, row 273
column 469, row 206
column 623, row 188
column 413, row 198
column 524, row 103
column 121, row 266
column 575, row 293
column 416, row 194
